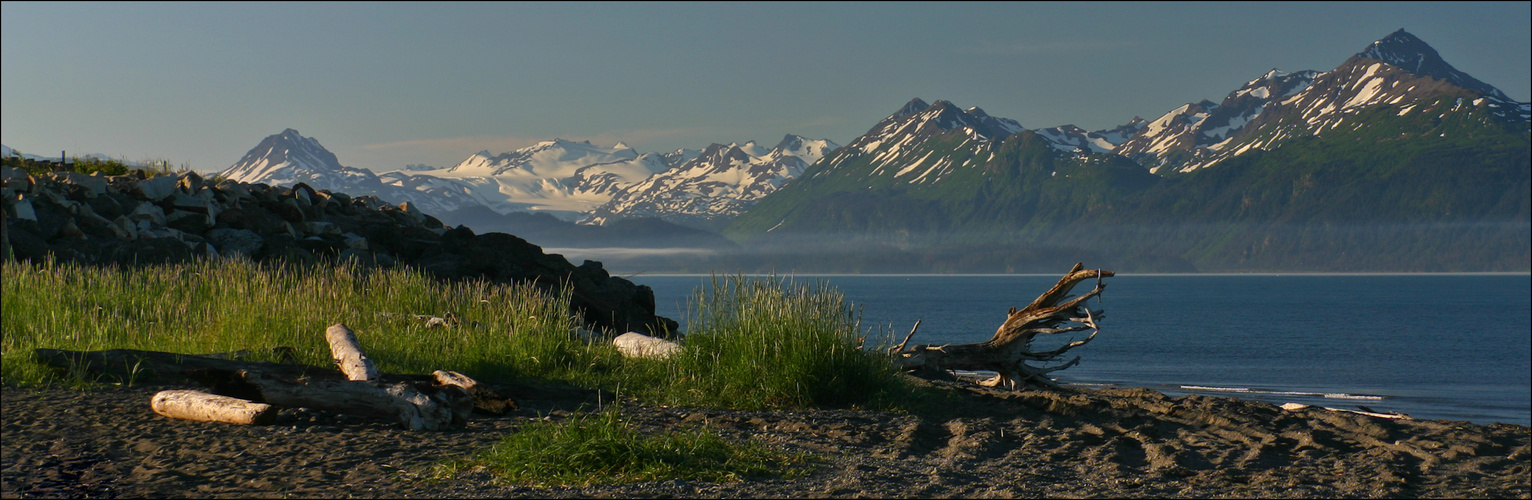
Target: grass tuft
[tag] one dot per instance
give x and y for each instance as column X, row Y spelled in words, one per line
column 600, row 448
column 758, row 343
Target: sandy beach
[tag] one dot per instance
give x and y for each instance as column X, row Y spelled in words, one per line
column 1076, row 443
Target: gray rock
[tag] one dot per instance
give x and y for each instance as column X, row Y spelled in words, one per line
column 355, row 241
column 321, row 227
column 157, row 188
column 242, row 242
column 17, row 179
column 94, row 185
column 23, row 209
column 148, row 212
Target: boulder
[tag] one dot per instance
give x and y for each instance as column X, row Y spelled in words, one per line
column 242, row 242
column 157, row 188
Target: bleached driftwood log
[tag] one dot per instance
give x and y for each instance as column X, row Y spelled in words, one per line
column 638, row 345
column 203, row 407
column 1006, row 353
column 348, row 354
column 1362, row 411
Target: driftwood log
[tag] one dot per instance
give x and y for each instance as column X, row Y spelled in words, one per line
column 638, row 345
column 417, row 402
column 1008, row 352
column 204, row 407
column 348, row 354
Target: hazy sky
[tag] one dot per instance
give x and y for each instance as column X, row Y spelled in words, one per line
column 384, row 85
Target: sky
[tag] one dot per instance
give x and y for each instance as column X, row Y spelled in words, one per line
column 384, row 85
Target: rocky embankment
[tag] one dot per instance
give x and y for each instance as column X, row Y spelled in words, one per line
column 138, row 219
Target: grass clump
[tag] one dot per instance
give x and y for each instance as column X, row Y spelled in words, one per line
column 758, row 343
column 600, row 448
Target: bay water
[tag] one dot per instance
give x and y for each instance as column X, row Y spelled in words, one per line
column 1434, row 346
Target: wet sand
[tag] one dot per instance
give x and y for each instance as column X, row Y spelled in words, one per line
column 981, row 443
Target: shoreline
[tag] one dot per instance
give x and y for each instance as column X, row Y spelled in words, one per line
column 631, row 274
column 978, row 443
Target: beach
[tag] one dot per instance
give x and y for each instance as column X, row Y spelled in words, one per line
column 978, row 442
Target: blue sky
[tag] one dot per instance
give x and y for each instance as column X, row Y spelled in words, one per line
column 385, row 85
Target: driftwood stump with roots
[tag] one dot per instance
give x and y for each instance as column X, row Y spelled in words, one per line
column 1008, row 352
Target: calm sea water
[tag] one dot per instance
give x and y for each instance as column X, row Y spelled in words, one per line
column 1455, row 347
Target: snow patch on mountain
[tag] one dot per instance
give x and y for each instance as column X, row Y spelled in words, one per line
column 714, row 185
column 1072, row 139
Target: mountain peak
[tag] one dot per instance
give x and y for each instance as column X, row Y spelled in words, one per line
column 789, row 141
column 1412, row 54
column 914, row 106
column 1401, row 49
column 287, row 158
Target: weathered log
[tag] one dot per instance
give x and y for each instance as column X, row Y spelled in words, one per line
column 1007, row 352
column 1393, row 415
column 348, row 355
column 638, row 345
column 414, row 406
column 203, row 407
column 485, row 399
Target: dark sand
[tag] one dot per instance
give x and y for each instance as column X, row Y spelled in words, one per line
column 1078, row 443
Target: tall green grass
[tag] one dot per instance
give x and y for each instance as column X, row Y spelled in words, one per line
column 230, row 304
column 754, row 343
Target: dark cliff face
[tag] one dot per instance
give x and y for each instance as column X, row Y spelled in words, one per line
column 132, row 220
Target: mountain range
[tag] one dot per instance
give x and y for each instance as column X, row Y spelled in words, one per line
column 1392, row 161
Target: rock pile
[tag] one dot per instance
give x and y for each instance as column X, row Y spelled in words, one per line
column 138, row 219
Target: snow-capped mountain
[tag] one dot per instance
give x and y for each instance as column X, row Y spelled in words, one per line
column 1194, row 127
column 1400, row 72
column 1075, row 139
column 712, row 186
column 289, row 158
column 561, row 177
column 1411, row 54
column 901, row 146
column 566, row 179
